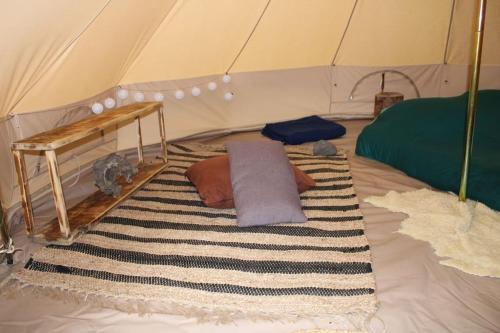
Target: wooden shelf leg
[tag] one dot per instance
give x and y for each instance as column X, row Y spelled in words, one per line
column 22, row 179
column 161, row 121
column 57, row 191
column 140, row 151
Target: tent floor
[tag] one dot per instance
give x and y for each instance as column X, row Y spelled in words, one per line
column 415, row 292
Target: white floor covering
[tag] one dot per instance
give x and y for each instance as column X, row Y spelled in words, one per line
column 465, row 234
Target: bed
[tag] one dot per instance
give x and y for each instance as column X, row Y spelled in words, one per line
column 424, row 138
column 415, row 293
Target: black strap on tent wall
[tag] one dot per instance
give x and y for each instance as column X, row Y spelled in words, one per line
column 249, row 37
column 445, row 55
column 332, row 63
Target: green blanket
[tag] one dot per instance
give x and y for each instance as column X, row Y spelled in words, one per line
column 425, row 139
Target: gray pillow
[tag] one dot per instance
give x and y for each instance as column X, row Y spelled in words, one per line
column 264, row 188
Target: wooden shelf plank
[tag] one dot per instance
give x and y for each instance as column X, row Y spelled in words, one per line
column 67, row 134
column 90, row 210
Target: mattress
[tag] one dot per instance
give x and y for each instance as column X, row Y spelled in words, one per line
column 415, row 292
column 425, row 139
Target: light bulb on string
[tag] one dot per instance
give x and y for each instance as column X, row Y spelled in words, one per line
column 228, row 96
column 158, row 97
column 226, row 78
column 122, row 93
column 139, row 97
column 97, row 108
column 212, row 86
column 196, row 91
column 109, row 103
column 179, row 94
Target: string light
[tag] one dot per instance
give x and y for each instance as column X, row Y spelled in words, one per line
column 196, row 91
column 179, row 94
column 97, row 108
column 212, row 86
column 139, row 96
column 122, row 93
column 109, row 103
column 158, row 97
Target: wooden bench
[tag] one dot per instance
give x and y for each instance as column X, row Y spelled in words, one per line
column 69, row 223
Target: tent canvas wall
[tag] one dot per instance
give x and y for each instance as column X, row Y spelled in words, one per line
column 287, row 59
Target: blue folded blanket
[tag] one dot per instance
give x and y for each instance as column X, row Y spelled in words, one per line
column 308, row 129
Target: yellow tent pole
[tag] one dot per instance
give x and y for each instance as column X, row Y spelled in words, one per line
column 471, row 104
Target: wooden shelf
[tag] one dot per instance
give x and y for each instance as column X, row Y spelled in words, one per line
column 88, row 211
column 61, row 136
column 71, row 223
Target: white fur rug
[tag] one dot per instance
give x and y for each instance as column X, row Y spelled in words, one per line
column 466, row 234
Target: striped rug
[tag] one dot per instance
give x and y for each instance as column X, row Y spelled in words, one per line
column 162, row 250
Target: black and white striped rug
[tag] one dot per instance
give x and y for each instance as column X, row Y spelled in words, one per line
column 162, row 250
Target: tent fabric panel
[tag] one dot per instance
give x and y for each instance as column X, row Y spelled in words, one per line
column 24, row 125
column 456, row 79
column 8, row 176
column 98, row 59
column 491, row 49
column 462, row 32
column 256, row 101
column 431, row 80
column 32, row 39
column 364, row 82
column 65, row 52
column 260, row 97
column 198, row 38
column 396, row 33
column 270, row 96
column 295, row 34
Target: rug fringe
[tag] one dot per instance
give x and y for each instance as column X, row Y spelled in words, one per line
column 327, row 330
column 13, row 287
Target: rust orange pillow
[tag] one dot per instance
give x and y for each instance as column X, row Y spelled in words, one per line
column 213, row 181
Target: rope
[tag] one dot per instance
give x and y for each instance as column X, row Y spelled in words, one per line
column 8, row 248
column 249, row 36
column 445, row 55
column 332, row 63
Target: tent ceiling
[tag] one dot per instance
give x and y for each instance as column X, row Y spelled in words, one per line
column 32, row 40
column 461, row 33
column 294, row 34
column 56, row 52
column 396, row 33
column 100, row 56
column 198, row 38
